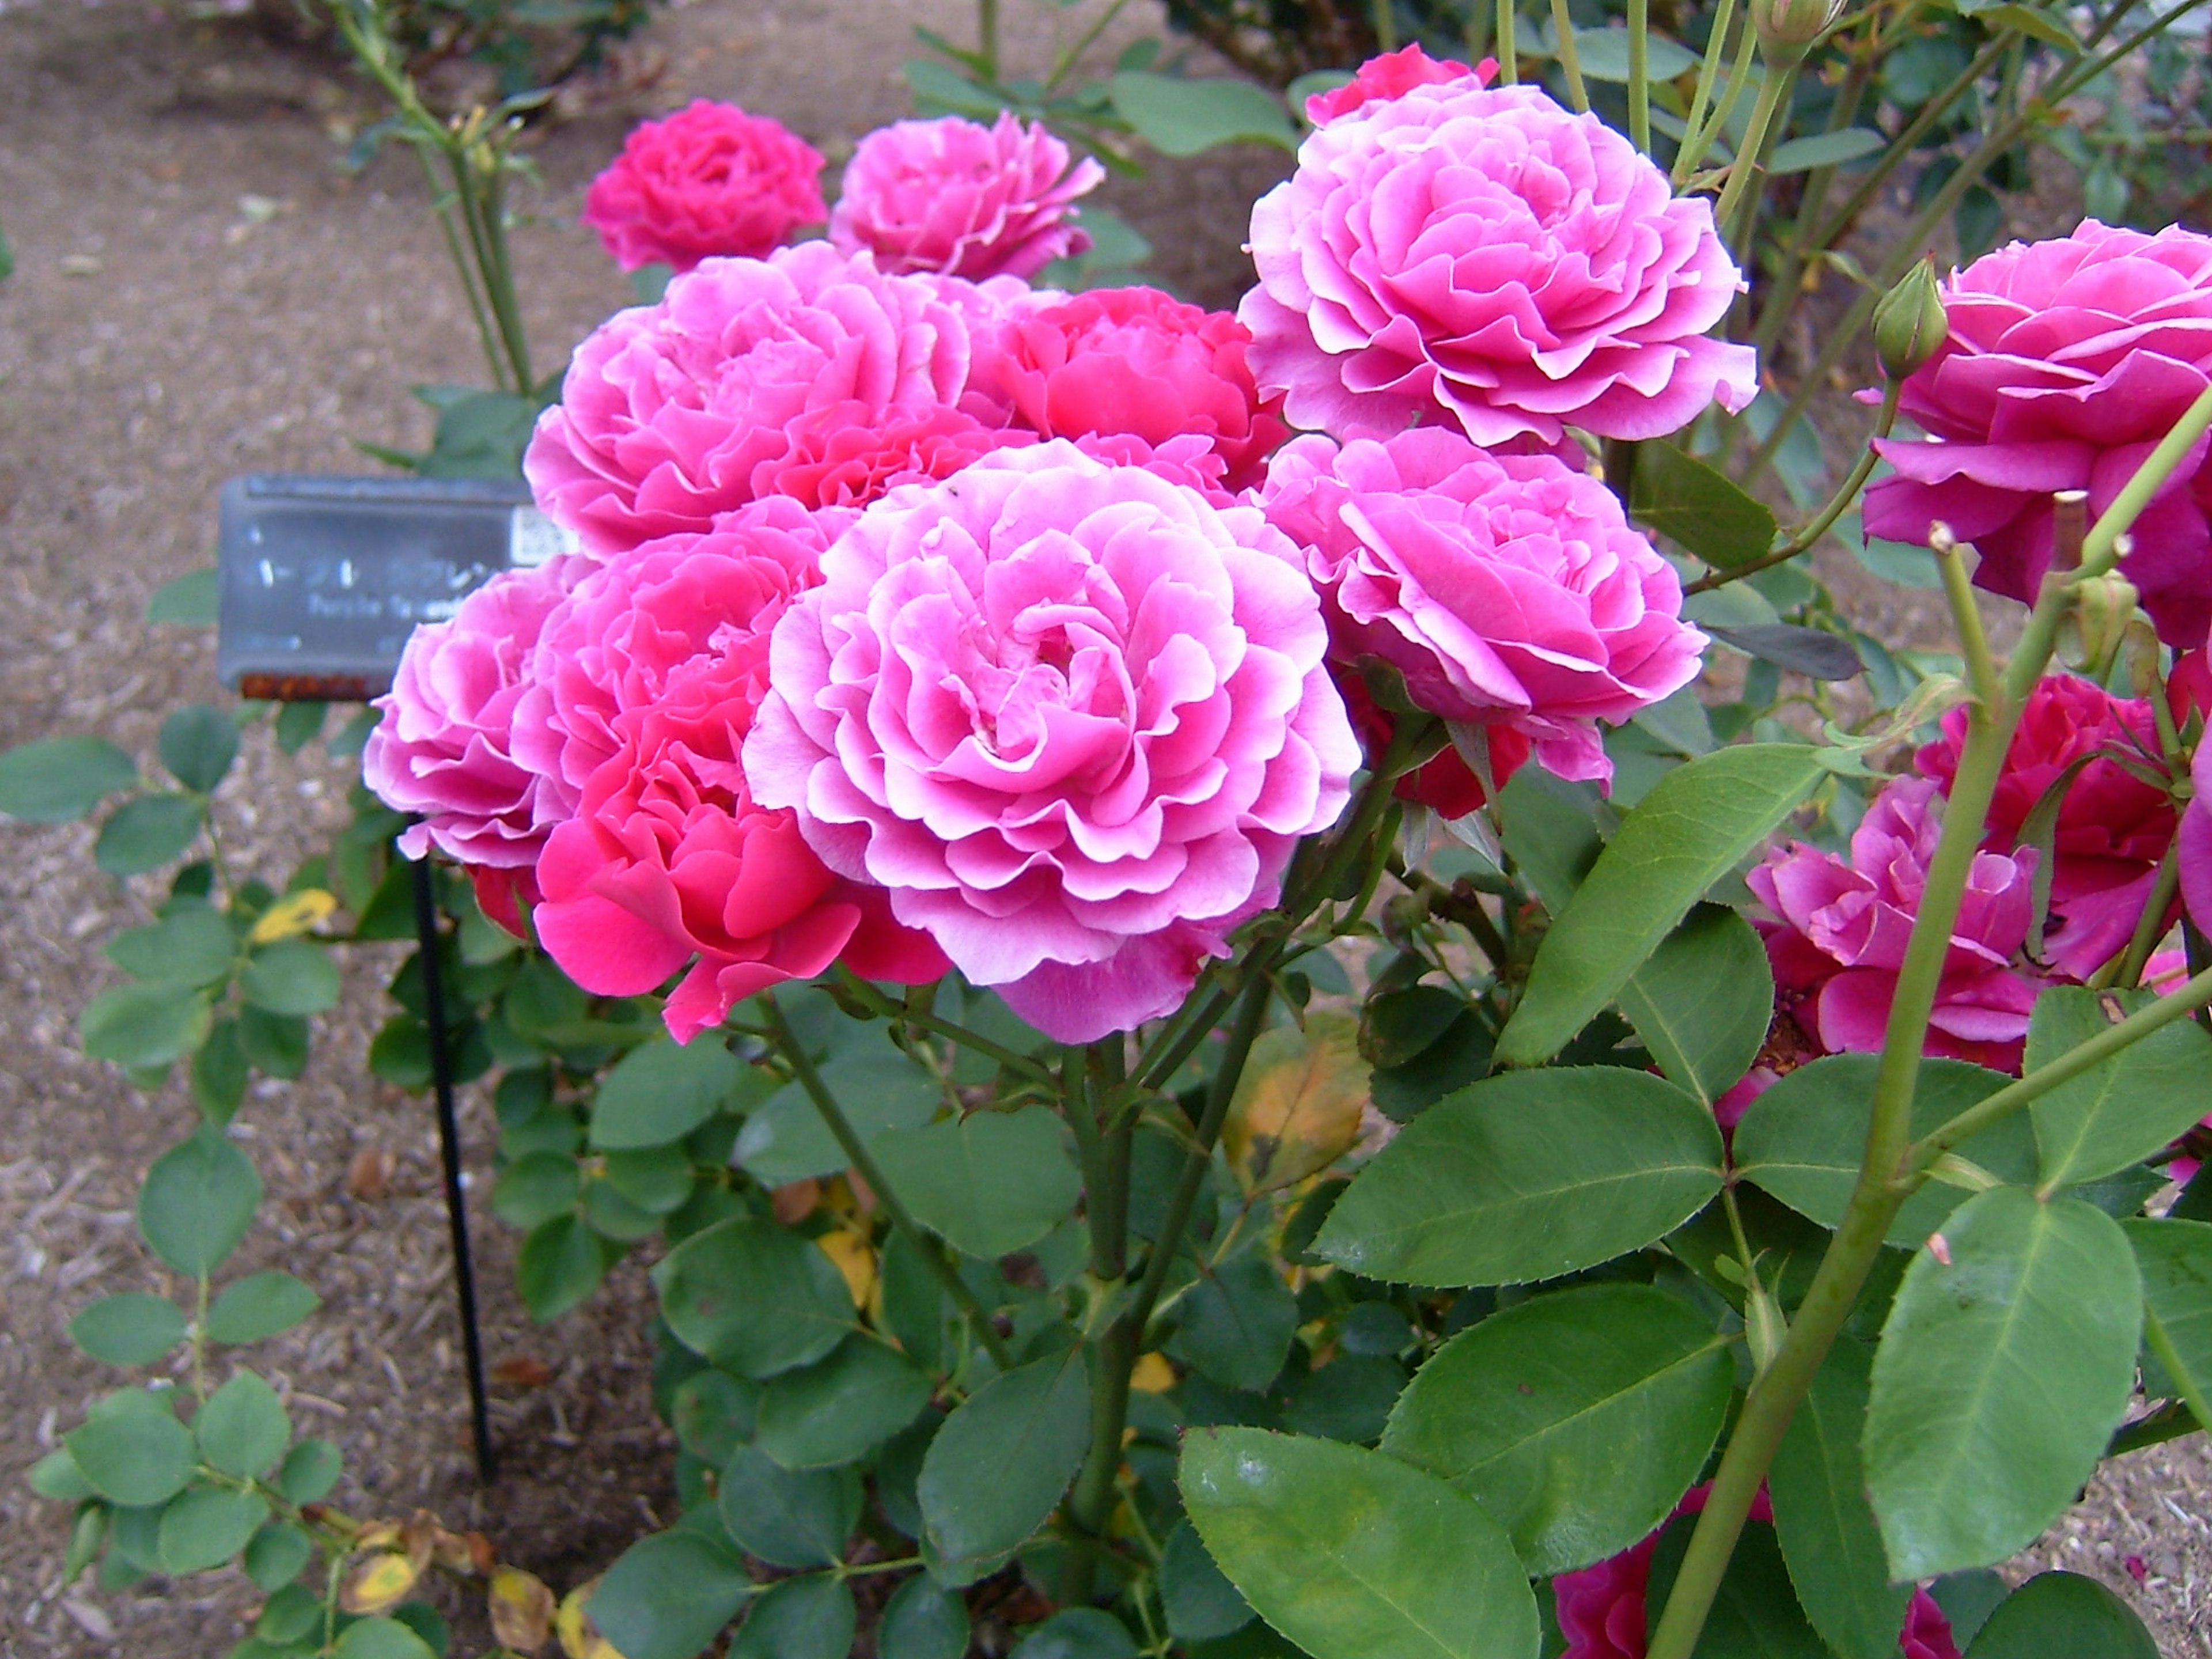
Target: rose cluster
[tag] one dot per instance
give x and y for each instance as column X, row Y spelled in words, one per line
column 926, row 619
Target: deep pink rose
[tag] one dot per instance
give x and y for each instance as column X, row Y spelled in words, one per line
column 1603, row 1613
column 1842, row 929
column 708, row 180
column 1509, row 591
column 1131, row 361
column 2113, row 826
column 1391, row 75
column 1481, row 257
column 1073, row 716
column 2067, row 361
column 1446, row 784
column 648, row 680
column 971, row 201
column 444, row 747
column 736, row 385
column 2193, row 849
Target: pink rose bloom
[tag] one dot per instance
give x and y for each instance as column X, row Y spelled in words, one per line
column 1484, row 259
column 444, row 747
column 1131, row 361
column 1841, row 935
column 1603, row 1613
column 1392, row 75
column 2194, row 848
column 1073, row 716
column 1509, row 591
column 734, row 385
column 970, row 201
column 648, row 680
column 2113, row 826
column 2067, row 361
column 708, row 180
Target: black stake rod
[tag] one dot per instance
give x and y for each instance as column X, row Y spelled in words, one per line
column 449, row 1144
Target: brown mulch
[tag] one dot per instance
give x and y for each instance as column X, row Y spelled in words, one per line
column 201, row 292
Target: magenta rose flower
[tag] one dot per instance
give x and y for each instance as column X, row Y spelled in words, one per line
column 445, row 748
column 647, row 681
column 1481, row 258
column 1603, row 1613
column 1131, row 361
column 736, row 385
column 968, row 200
column 1074, row 717
column 708, row 181
column 1392, row 75
column 1509, row 591
column 1841, row 929
column 2067, row 361
column 2113, row 823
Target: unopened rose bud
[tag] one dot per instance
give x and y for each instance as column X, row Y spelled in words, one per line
column 2096, row 630
column 1787, row 27
column 1909, row 325
column 1764, row 1328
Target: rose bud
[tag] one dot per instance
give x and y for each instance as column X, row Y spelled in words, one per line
column 1910, row 323
column 1787, row 27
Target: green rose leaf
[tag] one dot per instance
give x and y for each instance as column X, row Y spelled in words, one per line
column 669, row 1595
column 1178, row 117
column 146, row 833
column 535, row 1188
column 659, row 1092
column 207, row 1525
column 809, row 1618
column 243, row 1429
column 1698, row 507
column 311, row 1469
column 198, row 745
column 751, row 1295
column 277, row 1555
column 1199, row 1602
column 193, row 945
column 187, row 601
column 382, row 1638
column 788, row 1517
column 2123, row 1110
column 1354, row 1555
column 989, row 1184
column 293, row 976
column 1236, row 1323
column 1803, row 1138
column 1078, row 1633
column 999, row 1463
column 713, row 1414
column 144, row 1025
column 132, row 1450
column 559, row 1265
column 132, row 1329
column 922, row 1621
column 61, row 779
column 2002, row 1374
column 1697, row 824
column 1826, row 1529
column 198, row 1200
column 786, row 1139
column 2175, row 1260
column 1576, row 1421
column 842, row 1408
column 259, row 1305
column 2063, row 1615
column 1825, row 149
column 1703, row 1002
column 1525, row 1177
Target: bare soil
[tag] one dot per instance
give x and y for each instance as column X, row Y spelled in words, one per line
column 202, row 291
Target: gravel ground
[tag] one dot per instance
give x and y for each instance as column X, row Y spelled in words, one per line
column 201, row 292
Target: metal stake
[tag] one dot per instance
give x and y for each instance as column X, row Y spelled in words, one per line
column 449, row 1144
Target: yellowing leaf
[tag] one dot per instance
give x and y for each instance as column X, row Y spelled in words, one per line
column 580, row 1636
column 1152, row 1375
column 855, row 1259
column 295, row 912
column 522, row 1609
column 379, row 1583
column 1298, row 1104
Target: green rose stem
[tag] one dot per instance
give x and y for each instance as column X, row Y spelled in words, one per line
column 1570, row 57
column 2151, row 924
column 863, row 1164
column 1639, row 70
column 1890, row 1171
column 1701, row 99
column 907, row 1014
column 1508, row 58
column 1098, row 1113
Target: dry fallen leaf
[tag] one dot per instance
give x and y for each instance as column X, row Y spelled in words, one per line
column 522, row 1609
column 370, row 1178
column 523, row 1371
